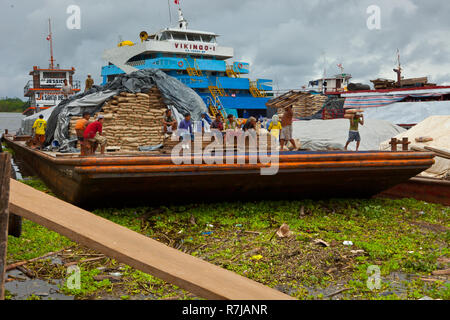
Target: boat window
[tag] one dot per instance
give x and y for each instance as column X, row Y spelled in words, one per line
column 59, row 75
column 179, row 36
column 208, row 38
column 165, row 36
column 197, row 38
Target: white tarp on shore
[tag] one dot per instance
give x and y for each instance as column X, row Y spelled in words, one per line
column 320, row 135
column 438, row 128
column 408, row 112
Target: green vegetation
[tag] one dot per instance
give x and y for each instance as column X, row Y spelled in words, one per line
column 12, row 105
column 406, row 239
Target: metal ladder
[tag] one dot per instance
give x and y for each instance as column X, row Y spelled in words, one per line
column 231, row 73
column 193, row 71
column 215, row 107
column 255, row 91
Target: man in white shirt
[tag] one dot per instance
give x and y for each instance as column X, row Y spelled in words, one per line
column 66, row 89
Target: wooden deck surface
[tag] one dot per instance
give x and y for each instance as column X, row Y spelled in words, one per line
column 192, row 274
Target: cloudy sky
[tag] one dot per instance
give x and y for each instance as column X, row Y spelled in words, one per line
column 289, row 41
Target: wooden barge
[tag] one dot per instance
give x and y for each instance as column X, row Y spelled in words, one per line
column 93, row 181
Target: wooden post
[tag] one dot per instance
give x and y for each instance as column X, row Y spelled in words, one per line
column 405, row 144
column 393, row 144
column 5, row 173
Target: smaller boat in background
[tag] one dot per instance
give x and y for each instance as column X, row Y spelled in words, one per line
column 44, row 89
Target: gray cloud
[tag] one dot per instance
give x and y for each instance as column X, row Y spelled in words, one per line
column 286, row 40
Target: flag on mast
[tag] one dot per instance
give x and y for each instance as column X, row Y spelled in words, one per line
column 177, row 2
column 49, row 37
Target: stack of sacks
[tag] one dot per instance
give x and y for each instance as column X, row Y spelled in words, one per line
column 132, row 120
column 73, row 122
column 350, row 113
column 305, row 105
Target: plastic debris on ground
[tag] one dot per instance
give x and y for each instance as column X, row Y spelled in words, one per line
column 321, row 243
column 284, row 231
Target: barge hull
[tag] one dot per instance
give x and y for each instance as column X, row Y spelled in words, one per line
column 94, row 181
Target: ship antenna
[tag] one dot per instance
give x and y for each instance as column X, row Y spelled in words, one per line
column 170, row 13
column 50, row 38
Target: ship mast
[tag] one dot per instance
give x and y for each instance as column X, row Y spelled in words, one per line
column 50, row 38
column 398, row 71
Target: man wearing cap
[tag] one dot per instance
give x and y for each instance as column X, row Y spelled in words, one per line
column 39, row 127
column 94, row 135
column 89, row 83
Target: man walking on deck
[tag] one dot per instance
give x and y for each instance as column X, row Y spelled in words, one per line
column 94, row 135
column 89, row 83
column 286, row 131
column 353, row 134
column 39, row 127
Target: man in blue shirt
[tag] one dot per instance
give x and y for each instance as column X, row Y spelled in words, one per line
column 185, row 127
column 186, row 124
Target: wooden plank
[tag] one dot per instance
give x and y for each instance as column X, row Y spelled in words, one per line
column 5, row 173
column 440, row 152
column 192, row 274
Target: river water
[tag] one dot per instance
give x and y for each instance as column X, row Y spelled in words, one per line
column 10, row 121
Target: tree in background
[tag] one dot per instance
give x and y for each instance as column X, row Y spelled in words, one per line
column 12, row 105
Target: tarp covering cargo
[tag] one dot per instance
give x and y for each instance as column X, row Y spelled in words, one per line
column 409, row 112
column 437, row 128
column 320, row 135
column 174, row 93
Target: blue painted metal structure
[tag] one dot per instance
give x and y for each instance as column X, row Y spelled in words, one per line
column 238, row 99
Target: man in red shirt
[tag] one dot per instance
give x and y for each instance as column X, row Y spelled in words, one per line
column 94, row 135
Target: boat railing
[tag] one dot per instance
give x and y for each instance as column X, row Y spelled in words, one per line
column 76, row 84
column 136, row 63
column 27, row 87
column 191, row 81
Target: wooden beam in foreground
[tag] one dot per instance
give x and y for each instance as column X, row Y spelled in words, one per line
column 192, row 274
column 5, row 174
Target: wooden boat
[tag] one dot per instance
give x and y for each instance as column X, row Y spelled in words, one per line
column 150, row 178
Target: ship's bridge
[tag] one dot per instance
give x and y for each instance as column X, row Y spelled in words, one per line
column 170, row 49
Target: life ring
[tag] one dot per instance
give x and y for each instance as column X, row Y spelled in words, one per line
column 180, row 64
column 240, row 66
